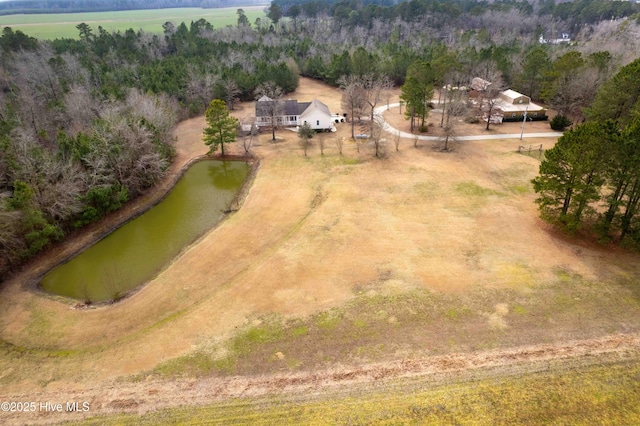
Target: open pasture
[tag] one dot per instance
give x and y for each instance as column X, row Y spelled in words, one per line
column 63, row 25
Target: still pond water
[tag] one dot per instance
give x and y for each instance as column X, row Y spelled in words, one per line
column 135, row 252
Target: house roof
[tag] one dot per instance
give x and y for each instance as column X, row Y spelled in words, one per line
column 513, row 95
column 301, row 107
column 480, row 84
column 316, row 105
column 289, row 107
column 508, row 107
column 265, row 104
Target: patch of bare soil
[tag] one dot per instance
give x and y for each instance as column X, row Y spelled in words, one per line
column 151, row 395
column 311, row 234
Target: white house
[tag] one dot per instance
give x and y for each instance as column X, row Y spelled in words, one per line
column 291, row 113
column 564, row 38
column 317, row 115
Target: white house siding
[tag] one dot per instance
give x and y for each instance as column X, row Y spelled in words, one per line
column 318, row 120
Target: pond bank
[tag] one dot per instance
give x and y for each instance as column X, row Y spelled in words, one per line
column 32, row 271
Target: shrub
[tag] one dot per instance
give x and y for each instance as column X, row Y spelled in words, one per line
column 560, row 122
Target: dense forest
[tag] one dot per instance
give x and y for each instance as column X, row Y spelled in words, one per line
column 85, row 124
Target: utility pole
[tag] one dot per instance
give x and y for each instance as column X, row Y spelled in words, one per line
column 524, row 118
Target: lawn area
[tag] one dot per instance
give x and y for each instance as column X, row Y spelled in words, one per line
column 63, row 25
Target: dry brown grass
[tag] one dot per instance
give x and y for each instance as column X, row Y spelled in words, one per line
column 316, row 233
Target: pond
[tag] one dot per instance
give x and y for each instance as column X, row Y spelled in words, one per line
column 135, row 252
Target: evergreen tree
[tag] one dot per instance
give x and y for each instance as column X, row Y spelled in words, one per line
column 535, row 65
column 618, row 98
column 629, row 163
column 275, row 12
column 417, row 91
column 573, row 172
column 222, row 126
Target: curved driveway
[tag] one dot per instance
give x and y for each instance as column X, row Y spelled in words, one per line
column 386, row 127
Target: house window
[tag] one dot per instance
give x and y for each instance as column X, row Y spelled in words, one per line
column 535, row 114
column 514, row 115
column 317, row 122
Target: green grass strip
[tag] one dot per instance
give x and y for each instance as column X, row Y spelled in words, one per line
column 603, row 394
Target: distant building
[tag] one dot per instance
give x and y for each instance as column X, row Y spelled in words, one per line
column 293, row 113
column 564, row 38
column 514, row 105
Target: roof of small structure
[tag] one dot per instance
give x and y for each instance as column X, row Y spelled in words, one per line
column 513, row 95
column 480, row 84
column 508, row 107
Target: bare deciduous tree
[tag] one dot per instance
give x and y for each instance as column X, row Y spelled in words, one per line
column 160, row 111
column 321, row 141
column 231, row 92
column 57, row 184
column 272, row 104
column 200, row 88
column 353, row 98
column 449, row 134
column 379, row 143
column 247, row 136
column 374, row 87
column 488, row 97
column 305, row 133
column 339, row 144
column 82, row 109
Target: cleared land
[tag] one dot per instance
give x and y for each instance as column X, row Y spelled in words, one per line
column 339, row 261
column 63, row 25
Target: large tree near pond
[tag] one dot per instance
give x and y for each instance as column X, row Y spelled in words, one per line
column 222, row 126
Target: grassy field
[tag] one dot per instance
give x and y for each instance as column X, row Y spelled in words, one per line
column 63, row 25
column 605, row 394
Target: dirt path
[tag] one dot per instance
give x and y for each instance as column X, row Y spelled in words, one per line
column 144, row 397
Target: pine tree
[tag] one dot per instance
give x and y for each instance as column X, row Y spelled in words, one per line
column 572, row 173
column 222, row 126
column 417, row 91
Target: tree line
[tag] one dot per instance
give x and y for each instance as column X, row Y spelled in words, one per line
column 591, row 178
column 366, row 12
